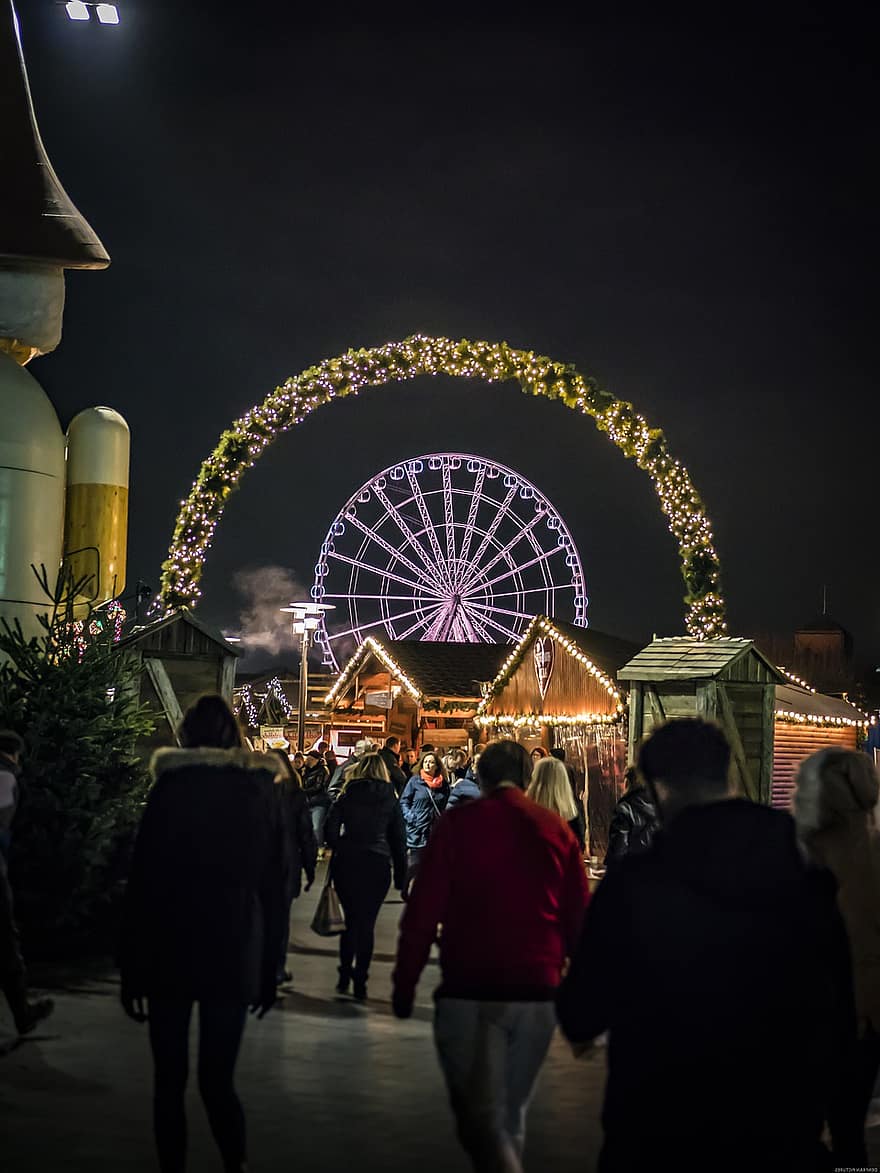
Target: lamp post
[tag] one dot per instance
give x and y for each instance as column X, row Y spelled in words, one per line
column 306, row 619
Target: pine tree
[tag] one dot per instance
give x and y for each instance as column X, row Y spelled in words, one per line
column 73, row 695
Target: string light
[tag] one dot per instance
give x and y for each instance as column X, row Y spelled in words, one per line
column 289, row 404
column 515, row 659
column 371, row 645
column 821, row 720
column 794, row 679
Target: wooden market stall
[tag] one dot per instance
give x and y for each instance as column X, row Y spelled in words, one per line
column 556, row 688
column 181, row 658
column 727, row 680
column 422, row 691
column 806, row 721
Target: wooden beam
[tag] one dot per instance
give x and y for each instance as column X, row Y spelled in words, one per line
column 227, row 678
column 636, row 719
column 161, row 682
column 729, row 725
column 768, row 711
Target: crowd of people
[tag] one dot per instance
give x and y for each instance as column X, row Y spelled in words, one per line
column 730, row 956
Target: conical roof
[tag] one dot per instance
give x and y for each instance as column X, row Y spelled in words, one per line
column 38, row 220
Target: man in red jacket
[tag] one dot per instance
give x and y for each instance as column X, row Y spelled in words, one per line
column 505, row 879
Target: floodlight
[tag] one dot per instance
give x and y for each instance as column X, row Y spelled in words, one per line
column 76, row 10
column 107, row 13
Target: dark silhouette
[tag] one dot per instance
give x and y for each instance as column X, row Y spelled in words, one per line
column 203, row 920
column 301, row 853
column 718, row 963
column 633, row 822
column 837, row 791
column 13, row 975
column 504, row 878
column 366, row 831
column 390, row 755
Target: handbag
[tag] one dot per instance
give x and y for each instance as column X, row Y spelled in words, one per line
column 329, row 919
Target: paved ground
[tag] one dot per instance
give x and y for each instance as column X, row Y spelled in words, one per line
column 327, row 1084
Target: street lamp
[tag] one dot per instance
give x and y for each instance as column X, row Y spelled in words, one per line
column 306, row 620
column 79, row 10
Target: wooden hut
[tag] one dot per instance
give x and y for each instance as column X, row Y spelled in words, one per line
column 181, row 658
column 727, row 680
column 420, row 690
column 556, row 688
column 806, row 721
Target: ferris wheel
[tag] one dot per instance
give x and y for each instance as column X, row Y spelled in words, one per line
column 445, row 547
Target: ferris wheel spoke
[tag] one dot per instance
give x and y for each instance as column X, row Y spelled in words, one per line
column 427, row 522
column 541, row 590
column 377, row 570
column 476, row 498
column 423, row 622
column 389, row 549
column 516, row 570
column 501, row 610
column 448, row 515
column 336, row 635
column 483, row 635
column 507, row 632
column 503, row 508
column 401, row 523
column 520, row 536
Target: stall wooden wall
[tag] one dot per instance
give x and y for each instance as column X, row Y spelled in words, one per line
column 792, row 744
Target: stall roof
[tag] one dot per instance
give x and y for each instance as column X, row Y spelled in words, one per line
column 145, row 630
column 688, row 658
column 815, row 708
column 432, row 667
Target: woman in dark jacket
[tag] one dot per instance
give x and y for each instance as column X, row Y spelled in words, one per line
column 423, row 800
column 302, row 848
column 551, row 788
column 202, row 920
column 634, row 821
column 366, row 832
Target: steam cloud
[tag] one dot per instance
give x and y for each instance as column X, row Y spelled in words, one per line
column 262, row 626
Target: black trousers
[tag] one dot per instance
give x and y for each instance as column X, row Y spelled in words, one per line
column 221, row 1024
column 852, row 1096
column 362, row 880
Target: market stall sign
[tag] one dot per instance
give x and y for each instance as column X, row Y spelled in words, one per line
column 378, row 700
column 544, row 652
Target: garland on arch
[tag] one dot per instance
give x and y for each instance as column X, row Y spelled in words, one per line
column 288, row 405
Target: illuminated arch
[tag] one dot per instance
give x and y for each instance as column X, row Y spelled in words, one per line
column 494, row 362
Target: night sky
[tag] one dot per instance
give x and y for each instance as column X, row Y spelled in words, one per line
column 685, row 211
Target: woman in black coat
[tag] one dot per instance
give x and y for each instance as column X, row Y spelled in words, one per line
column 366, row 831
column 203, row 919
column 302, row 848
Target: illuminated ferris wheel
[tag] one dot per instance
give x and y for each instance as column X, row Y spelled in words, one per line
column 445, row 547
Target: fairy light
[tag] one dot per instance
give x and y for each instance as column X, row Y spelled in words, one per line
column 794, row 679
column 246, row 702
column 371, row 645
column 534, row 720
column 294, row 400
column 822, row 720
column 277, row 691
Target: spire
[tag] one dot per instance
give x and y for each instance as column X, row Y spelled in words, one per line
column 39, row 223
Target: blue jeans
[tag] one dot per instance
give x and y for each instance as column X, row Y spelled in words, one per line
column 319, row 818
column 491, row 1053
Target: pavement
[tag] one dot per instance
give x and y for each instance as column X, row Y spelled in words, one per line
column 327, row 1084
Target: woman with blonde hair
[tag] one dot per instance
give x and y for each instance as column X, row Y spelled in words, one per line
column 551, row 788
column 837, row 791
column 366, row 831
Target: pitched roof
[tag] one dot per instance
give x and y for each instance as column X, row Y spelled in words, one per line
column 815, row 708
column 608, row 652
column 447, row 669
column 687, row 658
column 141, row 631
column 432, row 667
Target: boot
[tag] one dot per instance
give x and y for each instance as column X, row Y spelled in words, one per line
column 344, row 980
column 26, row 1014
column 360, row 986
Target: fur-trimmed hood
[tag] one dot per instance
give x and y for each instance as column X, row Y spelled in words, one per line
column 165, row 761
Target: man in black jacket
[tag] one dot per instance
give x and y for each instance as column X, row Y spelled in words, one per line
column 719, row 965
column 390, row 755
column 634, row 821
